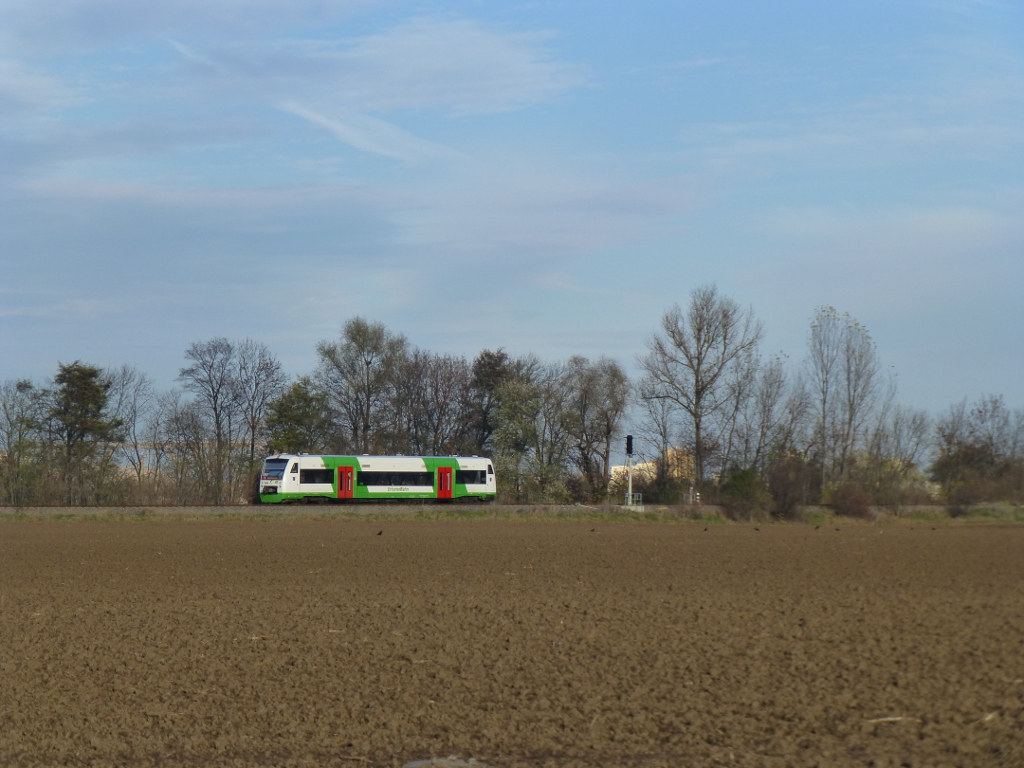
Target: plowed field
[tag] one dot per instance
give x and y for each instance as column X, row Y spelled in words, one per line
column 347, row 643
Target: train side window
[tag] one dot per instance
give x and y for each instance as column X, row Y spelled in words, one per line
column 295, row 467
column 316, row 476
column 395, row 478
column 490, row 470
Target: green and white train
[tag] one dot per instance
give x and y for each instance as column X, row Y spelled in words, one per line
column 315, row 478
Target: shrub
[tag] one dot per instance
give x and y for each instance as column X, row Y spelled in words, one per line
column 850, row 500
column 792, row 481
column 744, row 495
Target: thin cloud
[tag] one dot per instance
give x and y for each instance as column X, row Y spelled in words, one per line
column 459, row 66
column 688, row 66
column 26, row 93
column 67, row 309
column 924, row 231
column 959, row 93
column 541, row 210
column 974, row 8
column 222, row 95
column 872, row 256
column 885, row 131
column 190, row 55
column 76, row 25
column 373, row 135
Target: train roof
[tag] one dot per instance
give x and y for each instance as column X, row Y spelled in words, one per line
column 373, row 456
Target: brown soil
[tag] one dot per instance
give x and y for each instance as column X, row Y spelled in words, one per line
column 327, row 643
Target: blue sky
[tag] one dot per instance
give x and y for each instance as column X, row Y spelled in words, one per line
column 544, row 177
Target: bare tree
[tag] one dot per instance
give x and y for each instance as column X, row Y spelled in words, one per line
column 660, row 432
column 358, row 374
column 770, row 412
column 211, row 378
column 598, row 394
column 22, row 412
column 896, row 451
column 168, row 464
column 824, row 355
column 759, row 424
column 735, row 422
column 861, row 387
column 446, row 404
column 194, row 463
column 991, row 424
column 796, row 424
column 430, row 404
column 688, row 362
column 978, row 451
column 259, row 378
column 551, row 431
column 845, row 376
column 1016, row 445
column 132, row 398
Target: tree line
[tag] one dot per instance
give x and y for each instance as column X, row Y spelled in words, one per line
column 714, row 418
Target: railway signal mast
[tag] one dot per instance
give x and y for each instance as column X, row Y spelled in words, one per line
column 629, row 470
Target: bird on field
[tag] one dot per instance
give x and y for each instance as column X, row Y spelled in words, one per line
column 379, row 532
column 757, row 529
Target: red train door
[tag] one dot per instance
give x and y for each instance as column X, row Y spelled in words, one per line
column 345, row 478
column 444, row 482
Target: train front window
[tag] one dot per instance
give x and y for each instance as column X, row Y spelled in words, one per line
column 273, row 469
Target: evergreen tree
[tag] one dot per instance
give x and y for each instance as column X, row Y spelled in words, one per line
column 298, row 421
column 80, row 426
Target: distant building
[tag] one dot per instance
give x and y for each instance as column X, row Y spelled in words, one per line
column 678, row 466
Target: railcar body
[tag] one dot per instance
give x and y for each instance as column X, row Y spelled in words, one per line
column 311, row 478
